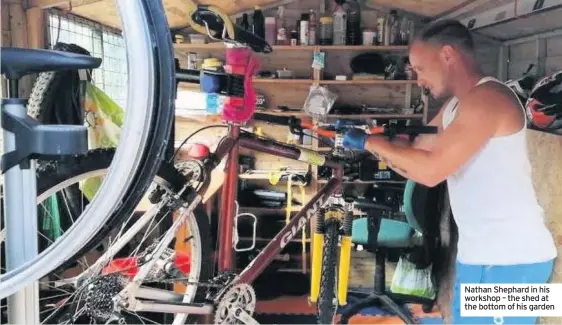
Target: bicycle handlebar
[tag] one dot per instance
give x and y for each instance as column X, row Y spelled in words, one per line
column 296, row 124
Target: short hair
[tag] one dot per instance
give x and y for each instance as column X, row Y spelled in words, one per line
column 447, row 32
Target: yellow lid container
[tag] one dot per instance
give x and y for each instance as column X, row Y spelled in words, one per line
column 211, row 63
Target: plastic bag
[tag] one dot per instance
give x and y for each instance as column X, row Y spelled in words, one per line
column 319, row 102
column 104, row 118
column 409, row 280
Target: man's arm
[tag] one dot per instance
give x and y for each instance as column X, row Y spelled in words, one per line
column 474, row 125
column 424, row 141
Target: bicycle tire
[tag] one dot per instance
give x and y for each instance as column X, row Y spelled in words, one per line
column 325, row 307
column 142, row 143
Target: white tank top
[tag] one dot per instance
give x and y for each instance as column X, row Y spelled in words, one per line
column 499, row 219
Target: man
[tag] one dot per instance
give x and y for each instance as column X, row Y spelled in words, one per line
column 481, row 152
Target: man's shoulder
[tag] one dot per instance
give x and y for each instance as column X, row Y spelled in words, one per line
column 491, row 98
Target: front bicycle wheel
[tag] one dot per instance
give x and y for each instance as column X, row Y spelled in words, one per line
column 327, row 303
column 142, row 142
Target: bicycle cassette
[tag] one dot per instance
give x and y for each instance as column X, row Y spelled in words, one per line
column 236, row 305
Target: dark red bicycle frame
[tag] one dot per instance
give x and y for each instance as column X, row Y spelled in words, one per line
column 230, row 146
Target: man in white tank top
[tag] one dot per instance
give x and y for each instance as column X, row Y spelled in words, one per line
column 481, row 152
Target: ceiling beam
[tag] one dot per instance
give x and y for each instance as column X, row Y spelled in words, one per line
column 454, row 9
column 465, row 7
column 46, row 4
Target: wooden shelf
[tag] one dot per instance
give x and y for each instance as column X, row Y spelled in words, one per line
column 375, row 116
column 221, row 46
column 281, row 81
column 294, row 113
column 348, row 116
column 368, row 82
column 334, row 82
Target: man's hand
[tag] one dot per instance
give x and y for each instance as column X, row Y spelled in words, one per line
column 355, row 139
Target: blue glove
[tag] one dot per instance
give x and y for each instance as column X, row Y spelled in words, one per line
column 355, row 139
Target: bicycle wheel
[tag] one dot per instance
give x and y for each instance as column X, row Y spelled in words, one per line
column 54, row 177
column 327, row 304
column 142, row 142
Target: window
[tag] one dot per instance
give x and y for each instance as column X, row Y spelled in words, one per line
column 100, row 41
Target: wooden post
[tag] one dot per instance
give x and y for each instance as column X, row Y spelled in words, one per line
column 35, row 28
column 6, row 36
column 18, row 34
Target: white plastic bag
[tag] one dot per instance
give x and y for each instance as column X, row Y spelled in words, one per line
column 319, row 102
column 411, row 281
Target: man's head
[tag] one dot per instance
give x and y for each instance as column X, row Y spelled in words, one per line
column 437, row 54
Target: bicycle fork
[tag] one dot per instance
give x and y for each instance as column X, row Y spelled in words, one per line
column 344, row 260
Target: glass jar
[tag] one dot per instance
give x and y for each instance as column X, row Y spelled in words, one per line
column 326, row 31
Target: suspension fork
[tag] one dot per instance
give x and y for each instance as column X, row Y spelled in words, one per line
column 318, row 249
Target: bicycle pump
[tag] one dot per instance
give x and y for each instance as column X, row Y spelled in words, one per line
column 25, row 140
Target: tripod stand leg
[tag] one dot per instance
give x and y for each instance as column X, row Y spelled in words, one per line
column 20, row 213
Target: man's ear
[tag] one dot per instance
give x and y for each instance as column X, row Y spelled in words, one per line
column 447, row 53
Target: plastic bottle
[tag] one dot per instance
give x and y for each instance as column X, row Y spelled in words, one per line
column 339, row 25
column 395, row 31
column 353, row 28
column 270, row 30
column 312, row 27
column 303, row 29
column 326, row 32
column 283, row 37
column 389, row 22
column 258, row 22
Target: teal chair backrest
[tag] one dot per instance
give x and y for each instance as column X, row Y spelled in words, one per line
column 411, row 204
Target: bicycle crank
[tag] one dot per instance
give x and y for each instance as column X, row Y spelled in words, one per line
column 236, row 305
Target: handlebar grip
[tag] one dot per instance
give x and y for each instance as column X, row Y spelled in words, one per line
column 188, row 75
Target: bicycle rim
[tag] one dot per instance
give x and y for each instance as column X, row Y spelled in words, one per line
column 138, row 21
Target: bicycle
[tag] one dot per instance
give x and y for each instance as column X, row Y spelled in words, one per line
column 216, row 296
column 156, row 261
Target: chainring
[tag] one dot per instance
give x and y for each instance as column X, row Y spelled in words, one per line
column 240, row 295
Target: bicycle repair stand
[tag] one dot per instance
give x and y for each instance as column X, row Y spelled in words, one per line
column 24, row 141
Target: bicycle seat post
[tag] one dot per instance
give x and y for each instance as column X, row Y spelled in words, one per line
column 24, row 141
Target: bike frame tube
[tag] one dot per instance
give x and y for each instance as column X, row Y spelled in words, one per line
column 229, row 194
column 230, row 191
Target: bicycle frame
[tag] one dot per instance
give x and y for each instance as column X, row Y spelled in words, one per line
column 234, row 140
